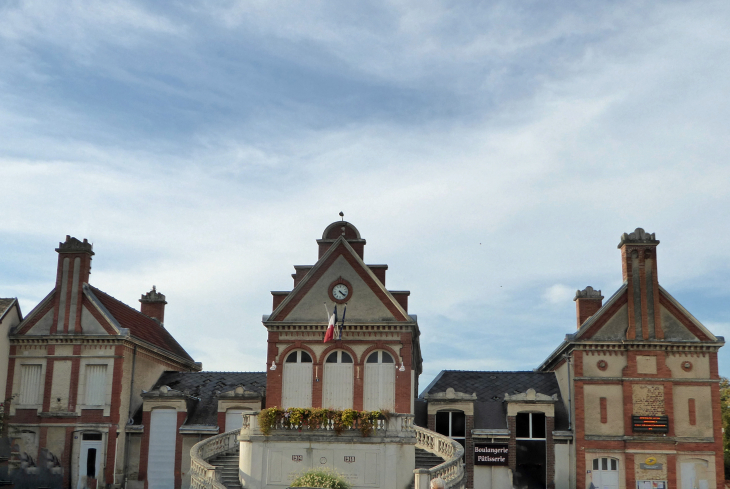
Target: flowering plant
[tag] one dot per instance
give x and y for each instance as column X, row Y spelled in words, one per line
column 326, row 479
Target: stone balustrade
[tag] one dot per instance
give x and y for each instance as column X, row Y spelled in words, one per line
column 451, row 471
column 202, row 474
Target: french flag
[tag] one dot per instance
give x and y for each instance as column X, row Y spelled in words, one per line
column 329, row 335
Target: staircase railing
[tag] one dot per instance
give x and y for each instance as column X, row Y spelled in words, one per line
column 451, row 471
column 202, row 474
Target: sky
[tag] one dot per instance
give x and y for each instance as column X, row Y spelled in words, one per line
column 491, row 153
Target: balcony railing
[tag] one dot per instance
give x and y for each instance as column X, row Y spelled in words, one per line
column 451, row 471
column 397, row 425
column 202, row 474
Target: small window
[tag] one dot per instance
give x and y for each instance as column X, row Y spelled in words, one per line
column 452, row 424
column 344, row 357
column 380, row 357
column 299, row 356
column 531, row 426
column 91, row 436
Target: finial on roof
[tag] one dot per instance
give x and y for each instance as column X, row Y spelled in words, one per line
column 342, row 215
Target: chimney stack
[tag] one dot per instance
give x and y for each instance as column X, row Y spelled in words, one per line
column 74, row 268
column 639, row 267
column 587, row 302
column 153, row 305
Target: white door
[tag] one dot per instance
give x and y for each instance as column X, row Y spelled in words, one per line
column 234, row 419
column 605, row 473
column 379, row 382
column 90, row 456
column 337, row 381
column 161, row 461
column 694, row 474
column 297, row 390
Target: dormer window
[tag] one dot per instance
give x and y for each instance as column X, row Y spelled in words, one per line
column 530, row 426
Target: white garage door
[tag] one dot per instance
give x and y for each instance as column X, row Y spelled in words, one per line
column 161, row 461
column 379, row 382
column 234, row 419
column 338, row 381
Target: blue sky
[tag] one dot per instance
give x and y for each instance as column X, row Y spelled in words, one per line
column 491, row 153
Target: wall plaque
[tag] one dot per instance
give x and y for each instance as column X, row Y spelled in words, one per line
column 650, row 424
column 491, row 454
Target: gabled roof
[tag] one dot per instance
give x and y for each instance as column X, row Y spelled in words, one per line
column 6, row 305
column 140, row 326
column 208, row 386
column 340, row 247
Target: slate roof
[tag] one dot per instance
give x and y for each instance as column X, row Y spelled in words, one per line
column 139, row 325
column 207, row 386
column 5, row 304
column 490, row 410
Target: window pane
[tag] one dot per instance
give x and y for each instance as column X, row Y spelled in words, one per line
column 306, row 358
column 387, row 358
column 332, row 358
column 95, row 385
column 595, row 464
column 523, row 425
column 346, row 358
column 30, row 384
column 458, row 424
column 442, row 422
column 538, row 425
column 373, row 358
column 91, row 436
column 604, row 464
column 614, row 465
column 292, row 358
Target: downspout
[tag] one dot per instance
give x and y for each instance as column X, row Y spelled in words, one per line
column 129, row 416
column 571, row 458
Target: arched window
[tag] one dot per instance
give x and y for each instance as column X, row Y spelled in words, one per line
column 297, row 388
column 337, row 381
column 379, row 382
column 605, row 472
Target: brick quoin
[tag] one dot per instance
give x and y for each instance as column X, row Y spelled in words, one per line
column 469, row 452
column 144, row 449
column 604, row 410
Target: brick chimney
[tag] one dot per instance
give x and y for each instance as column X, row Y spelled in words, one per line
column 153, row 305
column 74, row 268
column 639, row 267
column 587, row 302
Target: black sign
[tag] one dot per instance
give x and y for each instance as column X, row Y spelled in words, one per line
column 650, row 424
column 491, row 454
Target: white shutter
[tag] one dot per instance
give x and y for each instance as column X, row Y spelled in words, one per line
column 95, row 385
column 379, row 387
column 161, row 460
column 297, row 390
column 234, row 419
column 30, row 384
column 337, row 386
column 387, row 386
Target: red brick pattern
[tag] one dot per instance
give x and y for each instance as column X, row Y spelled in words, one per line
column 604, row 410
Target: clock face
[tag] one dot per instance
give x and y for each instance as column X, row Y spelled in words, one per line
column 340, row 291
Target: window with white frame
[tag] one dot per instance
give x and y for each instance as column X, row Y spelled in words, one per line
column 95, row 385
column 530, row 426
column 30, row 384
column 452, row 424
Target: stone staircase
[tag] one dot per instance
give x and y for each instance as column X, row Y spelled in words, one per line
column 426, row 460
column 227, row 465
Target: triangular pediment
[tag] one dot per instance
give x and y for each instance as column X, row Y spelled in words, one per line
column 369, row 302
column 611, row 322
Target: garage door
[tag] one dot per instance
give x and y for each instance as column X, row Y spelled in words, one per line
column 161, row 461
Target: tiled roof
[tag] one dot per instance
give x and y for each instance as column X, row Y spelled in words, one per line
column 4, row 304
column 207, row 386
column 139, row 325
column 490, row 388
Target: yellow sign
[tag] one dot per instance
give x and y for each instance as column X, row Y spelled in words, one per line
column 650, row 461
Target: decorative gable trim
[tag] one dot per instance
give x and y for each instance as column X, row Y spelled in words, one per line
column 683, row 316
column 107, row 321
column 36, row 314
column 339, row 248
column 451, row 394
column 601, row 317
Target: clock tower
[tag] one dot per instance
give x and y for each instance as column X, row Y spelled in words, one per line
column 375, row 359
